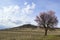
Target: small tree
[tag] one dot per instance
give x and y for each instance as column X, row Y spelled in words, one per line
column 47, row 19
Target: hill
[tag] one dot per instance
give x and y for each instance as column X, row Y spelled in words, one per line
column 21, row 27
column 27, row 26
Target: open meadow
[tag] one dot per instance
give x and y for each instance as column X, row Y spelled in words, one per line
column 28, row 34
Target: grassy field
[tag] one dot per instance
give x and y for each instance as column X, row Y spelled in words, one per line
column 29, row 34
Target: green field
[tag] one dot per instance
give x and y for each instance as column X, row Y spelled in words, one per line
column 29, row 34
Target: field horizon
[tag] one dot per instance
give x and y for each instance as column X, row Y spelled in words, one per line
column 28, row 33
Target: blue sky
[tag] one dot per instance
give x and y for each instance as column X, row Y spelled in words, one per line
column 18, row 12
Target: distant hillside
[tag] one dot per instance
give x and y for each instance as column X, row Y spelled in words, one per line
column 23, row 26
column 27, row 26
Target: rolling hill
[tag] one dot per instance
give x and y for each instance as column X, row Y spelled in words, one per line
column 28, row 32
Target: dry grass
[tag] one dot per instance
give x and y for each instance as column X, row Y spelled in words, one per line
column 29, row 34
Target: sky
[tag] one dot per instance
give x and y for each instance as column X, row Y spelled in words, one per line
column 14, row 13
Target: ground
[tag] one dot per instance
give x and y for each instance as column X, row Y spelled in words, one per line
column 29, row 34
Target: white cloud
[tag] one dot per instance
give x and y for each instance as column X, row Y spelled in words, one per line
column 10, row 16
column 28, row 8
column 25, row 3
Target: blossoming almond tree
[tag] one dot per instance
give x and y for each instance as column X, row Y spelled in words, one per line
column 47, row 19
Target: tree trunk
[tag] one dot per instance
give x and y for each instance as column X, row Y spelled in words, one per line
column 46, row 29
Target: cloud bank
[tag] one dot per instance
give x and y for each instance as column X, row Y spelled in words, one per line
column 14, row 15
